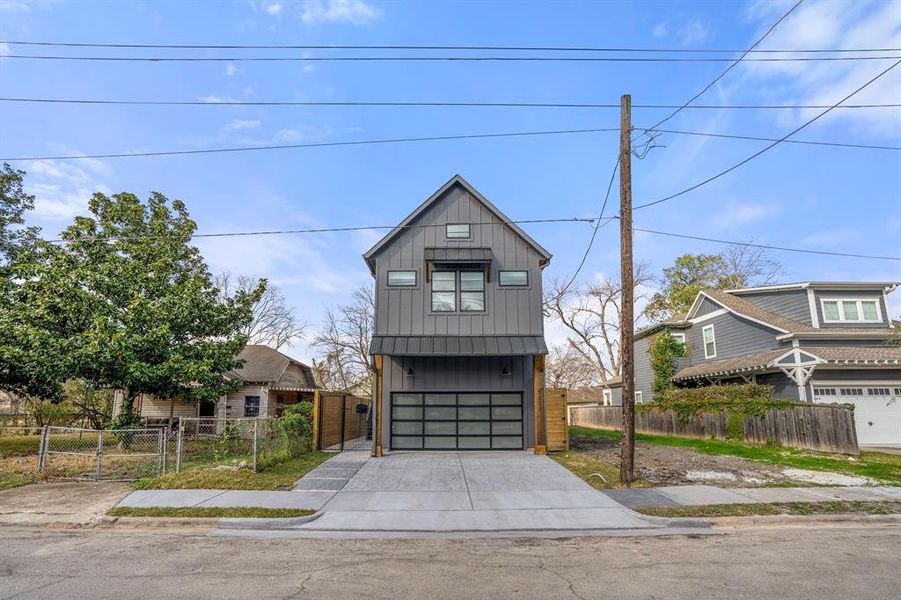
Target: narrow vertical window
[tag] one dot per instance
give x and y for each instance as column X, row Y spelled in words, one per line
column 251, row 406
column 709, row 342
column 444, row 291
column 472, row 291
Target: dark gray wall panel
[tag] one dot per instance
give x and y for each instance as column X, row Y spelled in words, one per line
column 783, row 387
column 734, row 335
column 707, row 306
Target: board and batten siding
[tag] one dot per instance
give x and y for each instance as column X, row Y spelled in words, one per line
column 851, row 295
column 791, row 304
column 458, row 374
column 509, row 310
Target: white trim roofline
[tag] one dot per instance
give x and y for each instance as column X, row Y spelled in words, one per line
column 820, row 285
column 696, row 304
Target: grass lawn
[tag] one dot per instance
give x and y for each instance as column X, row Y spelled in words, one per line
column 877, row 465
column 836, row 507
column 279, row 476
column 18, row 460
column 596, row 473
column 240, row 512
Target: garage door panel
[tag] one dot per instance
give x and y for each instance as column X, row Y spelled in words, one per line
column 449, row 421
column 877, row 409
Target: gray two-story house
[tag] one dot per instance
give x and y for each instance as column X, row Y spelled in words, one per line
column 458, row 347
column 812, row 341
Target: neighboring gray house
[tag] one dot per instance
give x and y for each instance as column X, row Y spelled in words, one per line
column 812, row 341
column 458, row 346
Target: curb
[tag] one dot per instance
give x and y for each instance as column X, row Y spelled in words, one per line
column 765, row 520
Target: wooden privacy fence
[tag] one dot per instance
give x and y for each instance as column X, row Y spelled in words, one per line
column 821, row 427
column 340, row 421
column 557, row 431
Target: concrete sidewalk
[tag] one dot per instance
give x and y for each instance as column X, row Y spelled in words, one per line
column 698, row 495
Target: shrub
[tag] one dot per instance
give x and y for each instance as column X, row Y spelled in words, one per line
column 663, row 353
column 742, row 400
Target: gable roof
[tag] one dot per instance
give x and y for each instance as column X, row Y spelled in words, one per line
column 455, row 180
column 263, row 364
column 747, row 309
column 888, row 286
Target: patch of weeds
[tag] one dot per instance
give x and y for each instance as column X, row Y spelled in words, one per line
column 596, row 473
column 835, row 507
column 277, row 476
column 211, row 512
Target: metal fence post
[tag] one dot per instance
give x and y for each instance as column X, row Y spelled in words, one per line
column 42, row 456
column 256, row 423
column 165, row 450
column 159, row 452
column 178, row 448
column 99, row 455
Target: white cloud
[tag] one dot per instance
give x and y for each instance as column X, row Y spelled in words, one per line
column 242, row 124
column 830, row 237
column 356, row 12
column 693, row 32
column 211, row 99
column 274, row 9
column 827, row 24
column 736, row 213
column 4, row 49
column 231, row 69
column 660, row 30
column 62, row 188
column 302, row 132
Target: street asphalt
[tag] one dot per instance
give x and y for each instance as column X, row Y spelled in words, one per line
column 822, row 562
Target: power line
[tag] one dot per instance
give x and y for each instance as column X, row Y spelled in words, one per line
column 766, row 246
column 767, row 139
column 433, row 47
column 769, row 146
column 575, row 59
column 312, row 145
column 442, row 104
column 730, row 67
column 314, row 230
column 426, row 139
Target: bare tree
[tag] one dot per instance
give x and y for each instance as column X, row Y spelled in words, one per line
column 592, row 315
column 344, row 341
column 747, row 266
column 567, row 368
column 274, row 322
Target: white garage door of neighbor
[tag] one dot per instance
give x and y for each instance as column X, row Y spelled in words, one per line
column 877, row 410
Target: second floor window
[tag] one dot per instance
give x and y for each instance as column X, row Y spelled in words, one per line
column 709, row 342
column 401, row 278
column 469, row 284
column 851, row 311
column 457, row 231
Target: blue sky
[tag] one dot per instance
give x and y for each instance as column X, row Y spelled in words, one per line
column 810, row 197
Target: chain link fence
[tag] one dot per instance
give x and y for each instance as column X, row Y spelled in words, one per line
column 98, row 454
column 235, row 443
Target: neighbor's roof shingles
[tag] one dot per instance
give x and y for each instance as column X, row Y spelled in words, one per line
column 263, row 364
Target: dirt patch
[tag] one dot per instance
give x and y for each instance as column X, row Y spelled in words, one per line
column 673, row 465
column 68, row 502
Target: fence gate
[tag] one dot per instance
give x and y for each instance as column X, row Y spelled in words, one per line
column 344, row 423
column 111, row 454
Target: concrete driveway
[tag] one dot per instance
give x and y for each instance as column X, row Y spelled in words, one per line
column 460, row 491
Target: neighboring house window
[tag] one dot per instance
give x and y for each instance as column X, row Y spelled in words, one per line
column 513, row 278
column 472, row 291
column 679, row 337
column 401, row 278
column 457, row 231
column 444, row 291
column 251, row 406
column 851, row 311
column 639, row 398
column 608, row 398
column 709, row 342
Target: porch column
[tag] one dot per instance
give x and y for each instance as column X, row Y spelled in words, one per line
column 378, row 393
column 538, row 401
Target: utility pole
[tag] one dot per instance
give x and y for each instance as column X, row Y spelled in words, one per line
column 627, row 317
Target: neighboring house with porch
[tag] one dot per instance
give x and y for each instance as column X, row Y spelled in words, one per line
column 270, row 381
column 458, row 347
column 823, row 342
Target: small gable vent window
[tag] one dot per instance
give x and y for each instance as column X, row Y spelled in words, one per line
column 513, row 278
column 851, row 311
column 401, row 278
column 458, row 231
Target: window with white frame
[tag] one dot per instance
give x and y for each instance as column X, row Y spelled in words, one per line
column 639, row 397
column 709, row 341
column 678, row 336
column 851, row 311
column 608, row 398
column 251, row 406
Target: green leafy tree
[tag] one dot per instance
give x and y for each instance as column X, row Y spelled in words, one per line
column 738, row 266
column 664, row 351
column 138, row 304
column 28, row 366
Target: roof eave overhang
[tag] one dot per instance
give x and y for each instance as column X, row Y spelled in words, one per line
column 877, row 333
column 696, row 304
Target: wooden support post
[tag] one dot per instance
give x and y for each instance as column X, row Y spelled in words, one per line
column 538, row 400
column 317, row 410
column 378, row 363
column 627, row 311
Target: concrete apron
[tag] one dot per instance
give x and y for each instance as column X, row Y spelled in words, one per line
column 454, row 493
